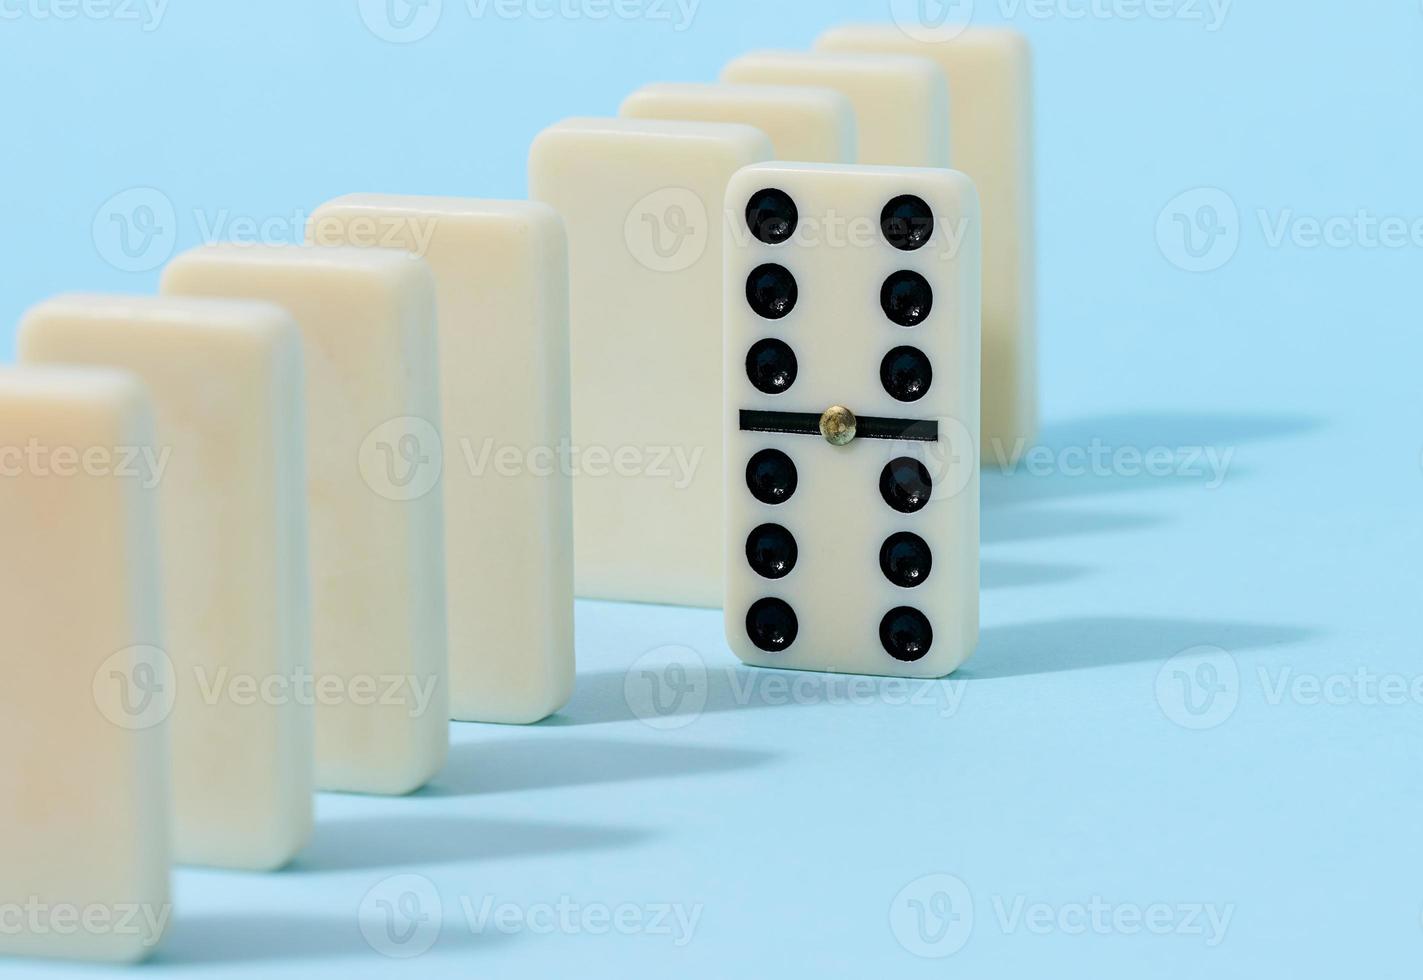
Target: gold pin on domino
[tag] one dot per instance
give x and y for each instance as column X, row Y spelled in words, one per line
column 838, row 425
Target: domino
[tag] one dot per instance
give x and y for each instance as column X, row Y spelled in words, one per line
column 851, row 399
column 379, row 655
column 226, row 382
column 641, row 200
column 901, row 102
column 803, row 122
column 501, row 275
column 84, row 790
column 990, row 74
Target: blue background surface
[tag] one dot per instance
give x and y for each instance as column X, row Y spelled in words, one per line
column 1073, row 762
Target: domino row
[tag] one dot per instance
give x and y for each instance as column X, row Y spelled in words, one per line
column 318, row 500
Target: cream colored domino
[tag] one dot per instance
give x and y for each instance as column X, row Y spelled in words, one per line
column 367, row 318
column 901, row 102
column 803, row 122
column 851, row 400
column 84, row 790
column 642, row 203
column 501, row 272
column 226, row 384
column 990, row 75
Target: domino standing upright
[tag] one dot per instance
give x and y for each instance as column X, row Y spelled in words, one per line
column 990, row 75
column 804, row 122
column 227, row 392
column 851, row 400
column 501, row 275
column 901, row 101
column 641, row 200
column 367, row 319
column 84, row 790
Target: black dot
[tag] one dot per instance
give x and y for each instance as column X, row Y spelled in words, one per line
column 906, row 485
column 906, row 559
column 772, row 216
column 772, row 551
column 906, row 634
column 771, row 366
column 907, row 223
column 772, row 625
column 771, row 476
column 906, row 374
column 771, row 290
column 907, row 298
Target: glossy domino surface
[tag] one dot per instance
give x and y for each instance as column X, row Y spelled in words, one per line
column 990, row 77
column 501, row 279
column 379, row 653
column 901, row 101
column 225, row 381
column 804, row 122
column 641, row 199
column 84, row 706
column 851, row 399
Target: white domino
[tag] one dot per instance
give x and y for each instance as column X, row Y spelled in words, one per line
column 901, row 101
column 226, row 384
column 84, row 790
column 804, row 122
column 851, row 400
column 990, row 75
column 367, row 318
column 501, row 272
column 642, row 203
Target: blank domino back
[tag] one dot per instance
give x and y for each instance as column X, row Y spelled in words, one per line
column 804, row 122
column 990, row 76
column 901, row 101
column 84, row 791
column 501, row 275
column 641, row 200
column 226, row 383
column 367, row 318
column 852, row 543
